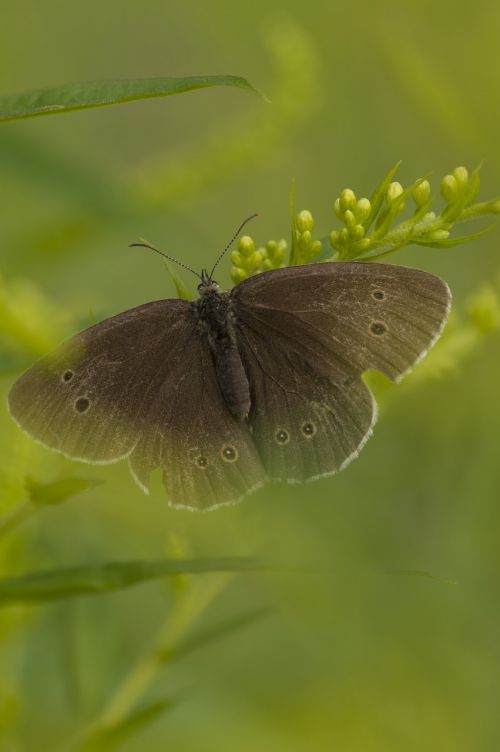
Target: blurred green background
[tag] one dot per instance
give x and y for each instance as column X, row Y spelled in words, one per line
column 353, row 658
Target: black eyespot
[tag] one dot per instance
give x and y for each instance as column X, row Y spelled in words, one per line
column 282, row 436
column 378, row 295
column 82, row 404
column 202, row 462
column 67, row 375
column 308, row 429
column 229, row 454
column 378, row 328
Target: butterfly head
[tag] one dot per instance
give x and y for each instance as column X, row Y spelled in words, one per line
column 207, row 286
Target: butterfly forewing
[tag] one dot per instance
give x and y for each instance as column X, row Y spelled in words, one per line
column 87, row 399
column 346, row 318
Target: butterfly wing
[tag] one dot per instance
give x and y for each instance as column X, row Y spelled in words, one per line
column 142, row 384
column 88, row 398
column 307, row 334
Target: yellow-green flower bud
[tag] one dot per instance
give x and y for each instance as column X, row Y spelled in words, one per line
column 238, row 275
column 246, row 246
column 271, row 247
column 236, row 258
column 334, row 238
column 255, row 259
column 349, row 218
column 305, row 240
column 344, row 235
column 461, row 175
column 449, row 188
column 363, row 244
column 267, row 264
column 438, row 235
column 429, row 217
column 338, row 209
column 363, row 209
column 421, row 193
column 279, row 256
column 393, row 192
column 316, row 247
column 305, row 220
column 357, row 232
column 347, row 200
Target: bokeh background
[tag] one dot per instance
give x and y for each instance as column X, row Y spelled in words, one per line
column 392, row 644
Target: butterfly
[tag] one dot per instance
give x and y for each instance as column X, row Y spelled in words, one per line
column 234, row 388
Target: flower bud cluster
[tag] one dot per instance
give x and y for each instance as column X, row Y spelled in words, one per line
column 353, row 213
column 248, row 260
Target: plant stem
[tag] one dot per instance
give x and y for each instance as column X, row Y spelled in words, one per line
column 16, row 517
column 135, row 684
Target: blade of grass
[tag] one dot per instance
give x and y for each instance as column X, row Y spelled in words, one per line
column 110, row 737
column 211, row 634
column 88, row 94
column 39, row 587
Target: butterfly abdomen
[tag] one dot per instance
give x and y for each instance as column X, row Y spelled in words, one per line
column 216, row 323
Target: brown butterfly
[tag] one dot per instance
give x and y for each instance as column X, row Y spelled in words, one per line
column 234, row 388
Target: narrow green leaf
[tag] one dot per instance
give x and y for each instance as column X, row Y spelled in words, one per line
column 109, row 737
column 465, row 198
column 378, row 196
column 49, row 494
column 55, row 584
column 293, row 226
column 212, row 634
column 391, row 212
column 420, row 573
column 81, row 96
column 182, row 291
column 450, row 242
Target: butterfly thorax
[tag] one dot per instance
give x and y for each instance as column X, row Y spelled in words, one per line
column 217, row 323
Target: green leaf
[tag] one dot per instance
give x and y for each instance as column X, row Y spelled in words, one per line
column 55, row 584
column 49, row 494
column 391, row 211
column 465, row 198
column 378, row 196
column 212, row 634
column 182, row 291
column 420, row 573
column 81, row 96
column 294, row 251
column 109, row 737
column 450, row 242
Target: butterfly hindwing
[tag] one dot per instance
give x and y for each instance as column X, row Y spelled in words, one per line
column 207, row 456
column 304, row 426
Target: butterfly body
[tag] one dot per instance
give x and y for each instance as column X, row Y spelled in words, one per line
column 235, row 388
column 216, row 322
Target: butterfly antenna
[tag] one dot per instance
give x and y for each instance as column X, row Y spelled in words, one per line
column 145, row 244
column 228, row 246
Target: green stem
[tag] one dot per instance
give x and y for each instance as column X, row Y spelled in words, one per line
column 184, row 615
column 16, row 517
